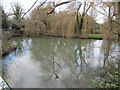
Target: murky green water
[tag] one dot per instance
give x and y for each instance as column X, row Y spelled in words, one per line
column 58, row 62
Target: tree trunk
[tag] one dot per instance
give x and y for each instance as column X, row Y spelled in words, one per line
column 117, row 15
column 119, row 20
column 81, row 24
column 109, row 24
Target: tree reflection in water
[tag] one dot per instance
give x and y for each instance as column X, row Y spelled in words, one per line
column 69, row 62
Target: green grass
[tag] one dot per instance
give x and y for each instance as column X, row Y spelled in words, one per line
column 95, row 35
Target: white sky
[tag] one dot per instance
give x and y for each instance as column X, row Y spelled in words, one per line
column 25, row 3
column 28, row 3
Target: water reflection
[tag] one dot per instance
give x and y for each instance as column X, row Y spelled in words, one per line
column 58, row 62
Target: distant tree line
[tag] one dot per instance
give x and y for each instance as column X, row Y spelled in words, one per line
column 78, row 19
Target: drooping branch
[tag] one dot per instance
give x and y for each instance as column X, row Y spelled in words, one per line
column 66, row 2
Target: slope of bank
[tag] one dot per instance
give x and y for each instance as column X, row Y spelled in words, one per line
column 6, row 46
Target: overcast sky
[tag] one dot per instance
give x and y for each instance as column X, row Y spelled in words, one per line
column 25, row 3
column 28, row 3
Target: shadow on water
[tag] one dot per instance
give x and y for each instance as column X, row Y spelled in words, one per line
column 58, row 62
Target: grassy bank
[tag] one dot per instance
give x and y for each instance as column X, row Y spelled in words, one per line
column 79, row 36
column 95, row 35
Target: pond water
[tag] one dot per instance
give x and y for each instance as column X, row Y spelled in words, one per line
column 48, row 62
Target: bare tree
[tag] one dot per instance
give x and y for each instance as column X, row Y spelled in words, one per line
column 80, row 16
column 110, row 10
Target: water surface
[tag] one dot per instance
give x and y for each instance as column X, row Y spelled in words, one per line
column 58, row 62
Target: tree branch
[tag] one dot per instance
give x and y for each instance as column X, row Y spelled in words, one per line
column 106, row 16
column 59, row 5
column 88, row 8
column 31, row 8
column 77, row 13
column 28, row 10
column 100, row 12
column 42, row 4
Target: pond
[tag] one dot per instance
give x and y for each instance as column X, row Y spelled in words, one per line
column 49, row 62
